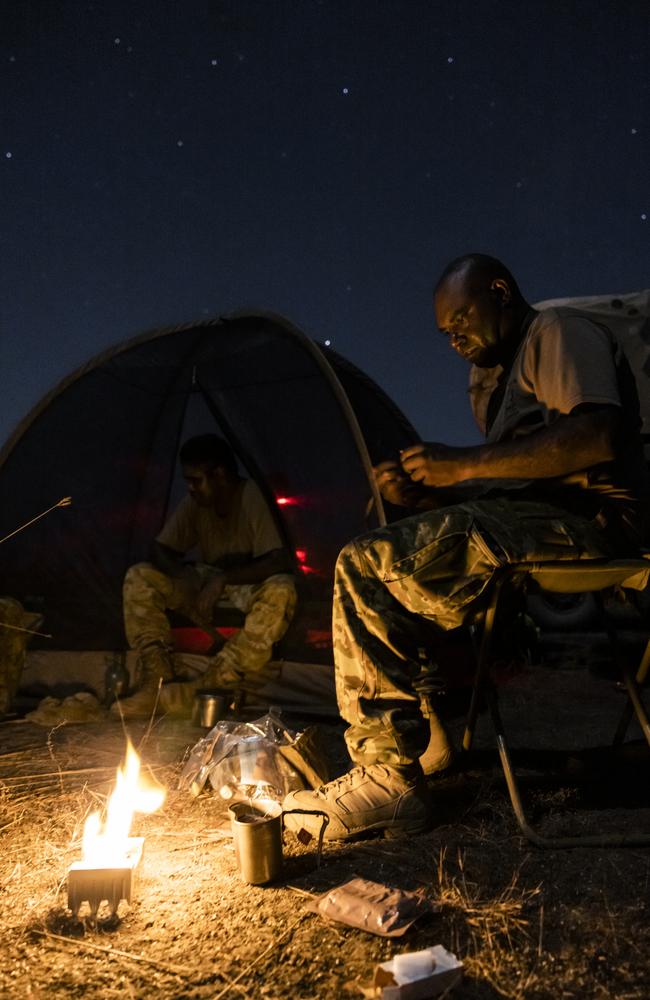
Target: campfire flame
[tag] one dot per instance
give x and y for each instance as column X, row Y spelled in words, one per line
column 108, row 843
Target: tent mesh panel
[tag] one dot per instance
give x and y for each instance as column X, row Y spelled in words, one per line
column 110, row 440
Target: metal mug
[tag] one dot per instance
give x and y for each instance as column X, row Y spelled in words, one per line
column 209, row 707
column 257, row 836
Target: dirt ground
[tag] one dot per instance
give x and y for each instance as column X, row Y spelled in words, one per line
column 527, row 923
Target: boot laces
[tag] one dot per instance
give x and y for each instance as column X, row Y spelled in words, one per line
column 349, row 778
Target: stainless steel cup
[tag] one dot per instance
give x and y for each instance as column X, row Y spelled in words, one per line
column 209, row 708
column 257, row 836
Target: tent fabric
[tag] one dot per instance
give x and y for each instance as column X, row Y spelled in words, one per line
column 108, row 436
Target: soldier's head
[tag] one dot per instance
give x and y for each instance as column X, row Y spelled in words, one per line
column 479, row 307
column 209, row 468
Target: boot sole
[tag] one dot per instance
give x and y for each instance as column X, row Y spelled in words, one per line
column 393, row 831
column 408, row 830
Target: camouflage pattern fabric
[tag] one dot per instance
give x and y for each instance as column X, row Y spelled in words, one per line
column 243, row 660
column 13, row 644
column 432, row 568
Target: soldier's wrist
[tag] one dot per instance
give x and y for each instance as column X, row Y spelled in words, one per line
column 209, row 572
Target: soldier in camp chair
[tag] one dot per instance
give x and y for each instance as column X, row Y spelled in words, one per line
column 242, row 559
column 560, row 477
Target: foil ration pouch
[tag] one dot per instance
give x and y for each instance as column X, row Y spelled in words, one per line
column 372, row 907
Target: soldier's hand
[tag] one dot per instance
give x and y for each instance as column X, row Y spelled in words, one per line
column 210, row 596
column 432, row 464
column 393, row 484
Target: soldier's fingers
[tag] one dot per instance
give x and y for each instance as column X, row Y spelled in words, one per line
column 413, row 462
column 413, row 449
column 418, row 475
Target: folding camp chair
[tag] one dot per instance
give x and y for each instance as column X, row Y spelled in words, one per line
column 566, row 577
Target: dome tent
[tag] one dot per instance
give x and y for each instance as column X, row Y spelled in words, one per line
column 304, row 423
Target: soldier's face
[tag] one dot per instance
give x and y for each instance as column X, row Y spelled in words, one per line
column 471, row 316
column 203, row 484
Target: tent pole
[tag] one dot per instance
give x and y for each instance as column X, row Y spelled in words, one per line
column 351, row 417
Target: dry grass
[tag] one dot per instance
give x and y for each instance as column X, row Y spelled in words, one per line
column 528, row 925
column 491, row 931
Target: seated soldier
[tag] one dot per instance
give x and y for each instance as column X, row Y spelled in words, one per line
column 242, row 559
column 561, row 477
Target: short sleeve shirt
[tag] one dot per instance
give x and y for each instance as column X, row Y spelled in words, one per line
column 246, row 533
column 565, row 359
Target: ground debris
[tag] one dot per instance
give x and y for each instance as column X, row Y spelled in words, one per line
column 528, row 925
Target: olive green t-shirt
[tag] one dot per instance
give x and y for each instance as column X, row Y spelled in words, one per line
column 246, row 533
column 566, row 359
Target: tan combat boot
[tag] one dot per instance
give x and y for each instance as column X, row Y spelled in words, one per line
column 366, row 799
column 155, row 665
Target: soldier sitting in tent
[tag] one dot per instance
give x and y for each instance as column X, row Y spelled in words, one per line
column 242, row 559
column 561, row 477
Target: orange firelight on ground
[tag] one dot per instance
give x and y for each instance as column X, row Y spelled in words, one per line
column 108, row 843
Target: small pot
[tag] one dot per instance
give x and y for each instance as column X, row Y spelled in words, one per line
column 209, row 708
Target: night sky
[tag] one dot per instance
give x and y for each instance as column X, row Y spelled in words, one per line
column 162, row 162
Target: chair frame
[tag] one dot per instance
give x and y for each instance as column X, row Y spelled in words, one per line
column 571, row 576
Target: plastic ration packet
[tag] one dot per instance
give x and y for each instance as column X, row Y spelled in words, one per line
column 372, row 907
column 242, row 760
column 254, row 769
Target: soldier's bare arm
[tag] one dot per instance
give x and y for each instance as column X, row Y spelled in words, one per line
column 255, row 571
column 577, row 441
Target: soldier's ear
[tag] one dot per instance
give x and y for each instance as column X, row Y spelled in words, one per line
column 500, row 289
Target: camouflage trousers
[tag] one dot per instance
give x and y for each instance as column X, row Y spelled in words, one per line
column 13, row 644
column 243, row 660
column 430, row 569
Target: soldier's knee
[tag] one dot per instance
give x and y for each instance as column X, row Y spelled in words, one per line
column 142, row 577
column 348, row 558
column 11, row 610
column 281, row 590
column 274, row 602
column 137, row 571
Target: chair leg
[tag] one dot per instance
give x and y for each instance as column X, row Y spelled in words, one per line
column 634, row 704
column 582, row 840
column 554, row 843
column 482, row 686
column 482, row 657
